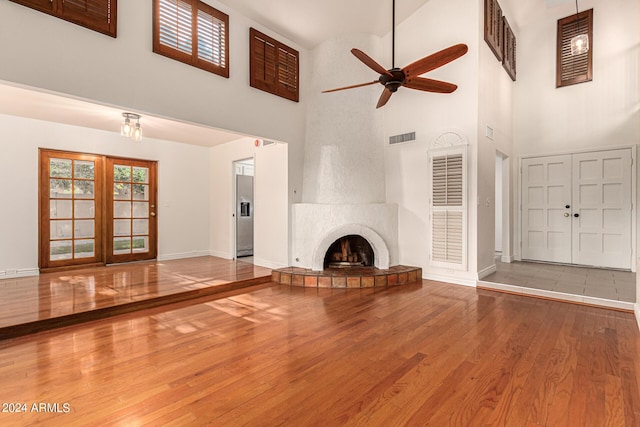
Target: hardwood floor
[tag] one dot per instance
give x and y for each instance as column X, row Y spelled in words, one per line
column 56, row 299
column 424, row 354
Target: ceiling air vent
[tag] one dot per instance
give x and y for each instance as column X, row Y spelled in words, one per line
column 396, row 139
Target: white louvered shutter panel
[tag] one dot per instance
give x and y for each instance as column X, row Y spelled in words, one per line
column 175, row 25
column 448, row 209
column 211, row 39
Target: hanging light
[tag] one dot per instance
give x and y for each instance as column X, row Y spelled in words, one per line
column 580, row 42
column 128, row 129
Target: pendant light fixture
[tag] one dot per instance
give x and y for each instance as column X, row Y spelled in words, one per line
column 130, row 130
column 580, row 42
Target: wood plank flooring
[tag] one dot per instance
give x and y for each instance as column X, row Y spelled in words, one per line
column 56, row 299
column 424, row 354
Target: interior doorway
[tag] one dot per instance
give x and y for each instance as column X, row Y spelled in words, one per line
column 502, row 208
column 244, row 206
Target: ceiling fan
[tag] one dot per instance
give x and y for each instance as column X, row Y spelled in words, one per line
column 408, row 76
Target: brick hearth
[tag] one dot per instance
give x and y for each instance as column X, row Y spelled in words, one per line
column 358, row 277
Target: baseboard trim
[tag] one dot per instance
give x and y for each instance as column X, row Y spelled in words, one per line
column 486, row 271
column 267, row 264
column 559, row 296
column 183, row 255
column 219, row 254
column 449, row 279
column 637, row 311
column 22, row 272
column 507, row 258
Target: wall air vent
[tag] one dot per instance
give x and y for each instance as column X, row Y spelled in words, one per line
column 266, row 142
column 396, row 139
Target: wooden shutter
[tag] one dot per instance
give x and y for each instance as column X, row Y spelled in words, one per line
column 493, row 27
column 572, row 69
column 274, row 67
column 98, row 15
column 509, row 49
column 192, row 32
column 448, row 209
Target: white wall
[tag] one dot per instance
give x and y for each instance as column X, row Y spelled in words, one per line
column 45, row 52
column 435, row 26
column 495, row 110
column 271, row 221
column 602, row 113
column 183, row 187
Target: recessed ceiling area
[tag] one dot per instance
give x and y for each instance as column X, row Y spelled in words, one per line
column 33, row 104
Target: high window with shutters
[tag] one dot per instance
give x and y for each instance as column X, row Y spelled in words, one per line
column 572, row 69
column 98, row 15
column 448, row 209
column 192, row 32
column 274, row 66
column 493, row 28
column 509, row 50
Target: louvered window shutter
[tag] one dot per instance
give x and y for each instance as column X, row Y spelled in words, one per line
column 448, row 211
column 192, row 32
column 98, row 15
column 572, row 69
column 274, row 67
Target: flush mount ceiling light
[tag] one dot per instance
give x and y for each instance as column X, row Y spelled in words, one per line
column 580, row 42
column 133, row 131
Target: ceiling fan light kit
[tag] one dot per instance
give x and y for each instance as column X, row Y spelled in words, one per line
column 408, row 76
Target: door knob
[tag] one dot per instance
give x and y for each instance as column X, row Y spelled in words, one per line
column 566, row 214
column 576, row 215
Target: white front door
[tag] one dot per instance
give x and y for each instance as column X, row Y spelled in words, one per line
column 576, row 208
column 602, row 208
column 546, row 193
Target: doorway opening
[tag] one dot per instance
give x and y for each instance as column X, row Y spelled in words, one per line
column 502, row 211
column 243, row 171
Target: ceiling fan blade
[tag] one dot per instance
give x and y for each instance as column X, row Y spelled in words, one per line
column 351, row 87
column 386, row 94
column 369, row 62
column 430, row 85
column 435, row 60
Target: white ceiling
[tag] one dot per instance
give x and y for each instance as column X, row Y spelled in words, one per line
column 309, row 22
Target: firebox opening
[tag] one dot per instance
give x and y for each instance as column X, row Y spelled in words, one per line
column 349, row 251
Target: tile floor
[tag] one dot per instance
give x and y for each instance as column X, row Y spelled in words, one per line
column 584, row 281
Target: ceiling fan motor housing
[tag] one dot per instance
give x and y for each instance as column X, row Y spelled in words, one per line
column 393, row 81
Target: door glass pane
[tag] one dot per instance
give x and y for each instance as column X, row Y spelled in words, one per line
column 83, row 229
column 140, row 244
column 60, row 168
column 121, row 173
column 122, row 209
column 84, row 208
column 121, row 245
column 121, row 191
column 140, row 192
column 84, row 169
column 121, row 227
column 60, row 249
column 60, row 229
column 60, row 209
column 83, row 189
column 140, row 226
column 140, row 209
column 141, row 175
column 84, row 248
column 60, row 188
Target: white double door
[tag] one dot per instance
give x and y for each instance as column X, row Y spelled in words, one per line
column 576, row 208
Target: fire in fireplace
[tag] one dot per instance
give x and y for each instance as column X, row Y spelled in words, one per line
column 349, row 251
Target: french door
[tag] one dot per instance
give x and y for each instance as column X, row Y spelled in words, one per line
column 95, row 210
column 577, row 208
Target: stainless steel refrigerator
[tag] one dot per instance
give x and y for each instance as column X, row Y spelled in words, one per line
column 244, row 215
